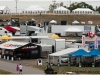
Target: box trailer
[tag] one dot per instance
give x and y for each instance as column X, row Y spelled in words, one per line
column 59, row 44
column 46, row 49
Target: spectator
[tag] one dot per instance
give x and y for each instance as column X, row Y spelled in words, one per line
column 20, row 69
column 17, row 68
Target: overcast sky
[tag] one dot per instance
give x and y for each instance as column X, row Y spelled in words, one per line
column 23, row 4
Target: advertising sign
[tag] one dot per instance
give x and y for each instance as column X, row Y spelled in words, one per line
column 12, row 45
column 86, row 28
column 29, row 47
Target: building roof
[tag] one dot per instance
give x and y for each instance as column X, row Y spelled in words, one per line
column 82, row 9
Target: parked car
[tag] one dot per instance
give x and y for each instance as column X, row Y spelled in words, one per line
column 64, row 59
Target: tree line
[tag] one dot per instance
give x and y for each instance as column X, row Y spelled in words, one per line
column 73, row 6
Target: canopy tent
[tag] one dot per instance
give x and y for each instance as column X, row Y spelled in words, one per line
column 4, row 10
column 61, row 10
column 73, row 30
column 54, row 36
column 5, row 37
column 94, row 52
column 93, row 44
column 82, row 11
column 35, row 9
column 12, row 45
column 11, row 29
column 53, row 21
column 75, row 22
column 64, row 52
column 79, row 53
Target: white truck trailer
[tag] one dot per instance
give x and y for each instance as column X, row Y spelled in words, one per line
column 59, row 44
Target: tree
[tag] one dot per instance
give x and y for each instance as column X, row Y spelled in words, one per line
column 52, row 7
column 55, row 5
column 98, row 9
column 80, row 5
column 61, row 4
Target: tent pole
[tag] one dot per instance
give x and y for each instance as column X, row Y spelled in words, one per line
column 60, row 59
column 53, row 59
column 94, row 61
column 48, row 59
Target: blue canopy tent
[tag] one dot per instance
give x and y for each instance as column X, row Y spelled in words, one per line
column 79, row 53
column 93, row 44
column 94, row 52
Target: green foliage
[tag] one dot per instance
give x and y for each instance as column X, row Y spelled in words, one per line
column 80, row 5
column 98, row 9
column 55, row 5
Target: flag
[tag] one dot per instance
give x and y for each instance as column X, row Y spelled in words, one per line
column 83, row 40
column 96, row 41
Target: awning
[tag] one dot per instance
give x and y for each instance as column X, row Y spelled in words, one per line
column 12, row 45
column 64, row 52
column 73, row 30
column 11, row 29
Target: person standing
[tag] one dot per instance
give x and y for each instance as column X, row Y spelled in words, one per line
column 17, row 68
column 20, row 69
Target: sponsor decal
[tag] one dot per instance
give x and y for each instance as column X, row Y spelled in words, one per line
column 11, row 45
column 29, row 47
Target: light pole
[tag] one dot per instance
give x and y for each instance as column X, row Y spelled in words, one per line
column 16, row 5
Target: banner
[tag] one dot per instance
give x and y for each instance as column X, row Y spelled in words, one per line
column 83, row 40
column 96, row 41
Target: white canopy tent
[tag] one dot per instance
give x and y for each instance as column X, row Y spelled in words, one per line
column 35, row 9
column 73, row 30
column 75, row 22
column 83, row 11
column 4, row 10
column 64, row 52
column 53, row 22
column 61, row 10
